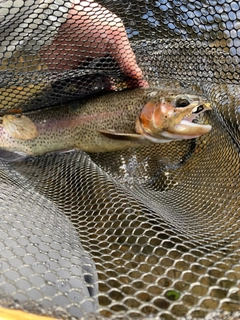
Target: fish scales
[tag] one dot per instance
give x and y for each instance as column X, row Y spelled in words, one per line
column 76, row 125
column 98, row 124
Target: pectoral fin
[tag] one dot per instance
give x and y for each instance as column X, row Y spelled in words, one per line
column 112, row 134
column 19, row 127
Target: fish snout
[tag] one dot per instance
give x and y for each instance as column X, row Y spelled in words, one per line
column 186, row 125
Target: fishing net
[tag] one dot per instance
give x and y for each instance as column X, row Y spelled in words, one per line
column 141, row 233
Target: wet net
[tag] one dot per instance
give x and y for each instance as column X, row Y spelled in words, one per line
column 141, row 233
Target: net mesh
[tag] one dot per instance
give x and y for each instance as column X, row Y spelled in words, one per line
column 141, row 233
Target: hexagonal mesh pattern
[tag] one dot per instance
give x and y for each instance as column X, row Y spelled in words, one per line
column 139, row 233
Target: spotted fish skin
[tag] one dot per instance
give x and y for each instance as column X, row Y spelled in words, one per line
column 81, row 124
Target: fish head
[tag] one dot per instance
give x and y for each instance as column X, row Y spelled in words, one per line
column 172, row 117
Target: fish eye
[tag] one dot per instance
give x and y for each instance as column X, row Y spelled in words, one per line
column 198, row 109
column 182, row 102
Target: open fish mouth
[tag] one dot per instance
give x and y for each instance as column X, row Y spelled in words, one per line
column 189, row 126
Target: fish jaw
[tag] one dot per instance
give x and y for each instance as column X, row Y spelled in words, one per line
column 162, row 122
column 186, row 130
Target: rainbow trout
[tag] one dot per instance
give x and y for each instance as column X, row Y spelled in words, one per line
column 110, row 122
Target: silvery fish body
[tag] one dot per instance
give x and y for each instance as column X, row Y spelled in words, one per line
column 110, row 122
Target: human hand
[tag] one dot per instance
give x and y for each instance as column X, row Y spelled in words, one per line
column 92, row 31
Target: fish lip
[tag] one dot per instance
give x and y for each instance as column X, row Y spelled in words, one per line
column 168, row 136
column 174, row 133
column 200, row 128
column 188, row 123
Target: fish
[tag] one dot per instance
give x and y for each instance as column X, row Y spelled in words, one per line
column 110, row 122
